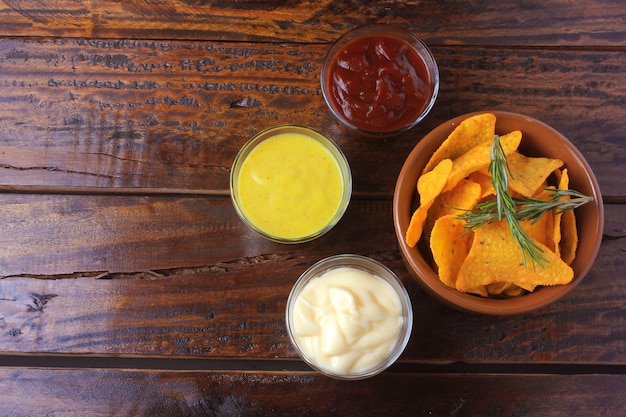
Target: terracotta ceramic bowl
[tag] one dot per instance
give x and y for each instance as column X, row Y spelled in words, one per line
column 538, row 139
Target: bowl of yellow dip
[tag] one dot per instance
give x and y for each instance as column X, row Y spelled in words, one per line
column 290, row 184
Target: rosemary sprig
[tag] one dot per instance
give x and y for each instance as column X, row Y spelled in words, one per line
column 529, row 208
column 514, row 210
column 499, row 170
column 526, row 208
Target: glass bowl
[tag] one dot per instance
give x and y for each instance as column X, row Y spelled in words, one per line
column 290, row 184
column 349, row 317
column 379, row 80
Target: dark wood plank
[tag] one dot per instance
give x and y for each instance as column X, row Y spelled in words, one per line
column 27, row 392
column 227, row 299
column 128, row 286
column 508, row 22
column 52, row 235
column 172, row 115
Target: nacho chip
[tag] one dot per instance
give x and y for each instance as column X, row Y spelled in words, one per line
column 483, row 178
column 498, row 287
column 557, row 216
column 514, row 291
column 529, row 174
column 462, row 197
column 479, row 157
column 469, row 133
column 541, row 230
column 429, row 186
column 504, row 288
column 449, row 243
column 495, row 256
column 489, row 261
column 565, row 227
column 569, row 237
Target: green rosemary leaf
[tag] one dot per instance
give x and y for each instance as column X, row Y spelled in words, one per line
column 516, row 210
column 526, row 208
column 500, row 172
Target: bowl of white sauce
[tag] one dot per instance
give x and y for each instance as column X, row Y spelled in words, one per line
column 349, row 317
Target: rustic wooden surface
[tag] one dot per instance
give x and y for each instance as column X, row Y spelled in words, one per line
column 128, row 286
column 154, row 394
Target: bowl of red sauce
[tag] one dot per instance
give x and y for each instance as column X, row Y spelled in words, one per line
column 379, row 80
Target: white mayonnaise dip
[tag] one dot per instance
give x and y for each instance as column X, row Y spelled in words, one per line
column 347, row 320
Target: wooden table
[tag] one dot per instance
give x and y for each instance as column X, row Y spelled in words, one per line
column 130, row 287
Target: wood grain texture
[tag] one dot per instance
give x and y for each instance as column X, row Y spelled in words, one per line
column 224, row 299
column 157, row 114
column 172, row 394
column 128, row 285
column 129, row 234
column 509, row 22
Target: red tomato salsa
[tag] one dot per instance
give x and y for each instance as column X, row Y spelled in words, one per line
column 379, row 83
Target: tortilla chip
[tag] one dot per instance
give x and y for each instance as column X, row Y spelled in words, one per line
column 462, row 197
column 565, row 222
column 429, row 186
column 557, row 216
column 513, row 291
column 489, row 261
column 504, row 288
column 469, row 133
column 483, row 178
column 479, row 157
column 449, row 243
column 528, row 174
column 498, row 287
column 495, row 256
column 541, row 230
column 569, row 237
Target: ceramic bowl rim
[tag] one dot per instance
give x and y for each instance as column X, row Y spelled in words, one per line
column 429, row 281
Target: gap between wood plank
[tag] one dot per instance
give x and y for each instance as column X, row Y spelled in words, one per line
column 148, row 191
column 47, row 361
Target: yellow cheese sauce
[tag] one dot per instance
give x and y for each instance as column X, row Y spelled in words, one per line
column 290, row 186
column 347, row 320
